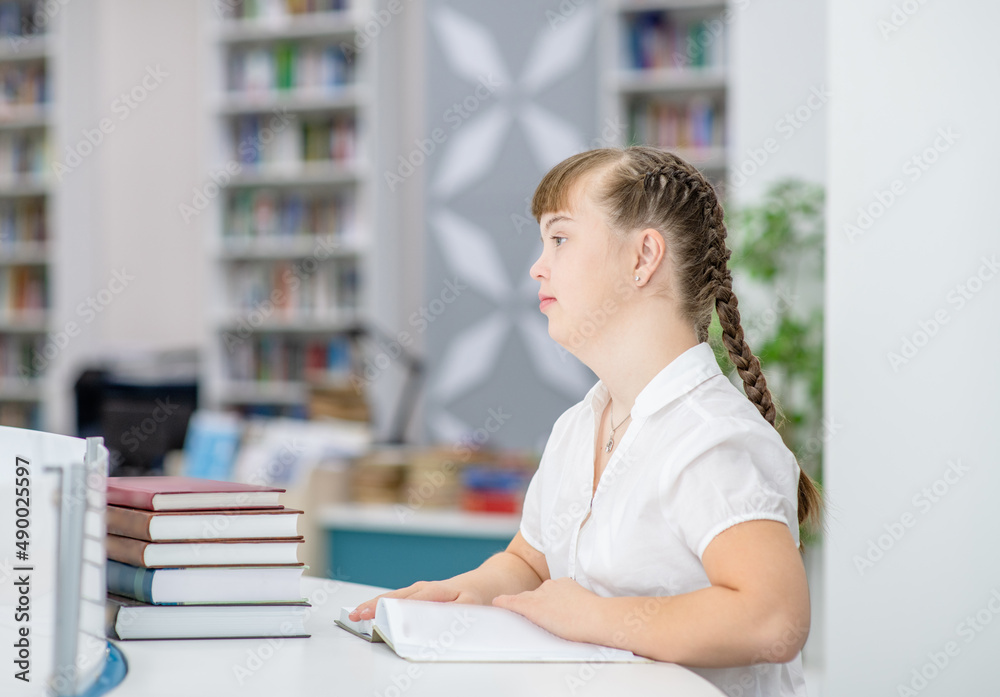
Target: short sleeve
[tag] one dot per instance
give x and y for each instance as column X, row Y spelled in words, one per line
column 730, row 471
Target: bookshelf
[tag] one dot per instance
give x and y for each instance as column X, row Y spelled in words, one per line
column 290, row 238
column 668, row 80
column 25, row 210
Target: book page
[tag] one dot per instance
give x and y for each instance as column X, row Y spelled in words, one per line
column 420, row 630
column 361, row 628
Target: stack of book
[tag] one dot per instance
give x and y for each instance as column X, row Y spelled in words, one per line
column 198, row 559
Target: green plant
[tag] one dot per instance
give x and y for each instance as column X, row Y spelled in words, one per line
column 778, row 247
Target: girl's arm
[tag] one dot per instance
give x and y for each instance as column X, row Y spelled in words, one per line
column 757, row 608
column 517, row 569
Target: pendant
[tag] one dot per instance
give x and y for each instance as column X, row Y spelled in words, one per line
column 611, row 442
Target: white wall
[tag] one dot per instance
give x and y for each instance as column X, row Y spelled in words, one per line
column 401, row 86
column 149, row 168
column 118, row 208
column 777, row 127
column 900, row 427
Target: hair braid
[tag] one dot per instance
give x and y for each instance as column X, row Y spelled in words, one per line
column 720, row 287
column 747, row 364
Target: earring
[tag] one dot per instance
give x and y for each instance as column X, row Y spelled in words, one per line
column 636, row 278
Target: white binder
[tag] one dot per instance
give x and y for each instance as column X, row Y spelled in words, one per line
column 52, row 575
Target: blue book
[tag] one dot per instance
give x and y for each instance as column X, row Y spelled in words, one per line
column 210, row 445
column 196, row 585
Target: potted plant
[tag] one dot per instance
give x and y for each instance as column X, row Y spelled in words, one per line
column 777, row 265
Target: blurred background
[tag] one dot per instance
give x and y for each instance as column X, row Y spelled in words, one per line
column 288, row 241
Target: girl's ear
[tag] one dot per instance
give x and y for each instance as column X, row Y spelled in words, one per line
column 650, row 249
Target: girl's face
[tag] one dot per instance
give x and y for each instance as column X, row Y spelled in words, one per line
column 581, row 270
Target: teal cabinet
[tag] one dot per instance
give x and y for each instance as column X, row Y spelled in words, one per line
column 376, row 545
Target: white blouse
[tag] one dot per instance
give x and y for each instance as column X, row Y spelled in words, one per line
column 696, row 459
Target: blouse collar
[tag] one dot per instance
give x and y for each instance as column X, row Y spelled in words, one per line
column 676, row 379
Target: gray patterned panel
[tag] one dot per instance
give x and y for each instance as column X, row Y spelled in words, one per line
column 512, row 86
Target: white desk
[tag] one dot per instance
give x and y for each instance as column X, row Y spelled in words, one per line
column 334, row 662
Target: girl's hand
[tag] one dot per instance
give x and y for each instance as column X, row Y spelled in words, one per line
column 438, row 591
column 561, row 606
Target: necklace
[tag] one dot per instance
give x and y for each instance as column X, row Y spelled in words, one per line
column 611, row 439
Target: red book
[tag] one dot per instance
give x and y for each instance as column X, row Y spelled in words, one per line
column 188, row 494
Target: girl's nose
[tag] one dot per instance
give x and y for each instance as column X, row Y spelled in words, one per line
column 539, row 269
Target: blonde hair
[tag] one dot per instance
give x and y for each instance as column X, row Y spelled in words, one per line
column 642, row 187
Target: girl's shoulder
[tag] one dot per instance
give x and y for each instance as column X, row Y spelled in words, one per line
column 718, row 400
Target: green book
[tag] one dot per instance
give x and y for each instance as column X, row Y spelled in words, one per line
column 285, row 59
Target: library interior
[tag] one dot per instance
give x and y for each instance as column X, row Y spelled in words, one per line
column 277, row 336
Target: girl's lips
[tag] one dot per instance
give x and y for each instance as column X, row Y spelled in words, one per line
column 545, row 302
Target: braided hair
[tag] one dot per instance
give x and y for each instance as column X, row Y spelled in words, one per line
column 642, row 187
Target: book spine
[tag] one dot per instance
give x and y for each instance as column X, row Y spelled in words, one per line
column 129, row 522
column 130, row 581
column 129, row 498
column 126, row 550
column 292, row 358
column 111, row 620
column 287, row 67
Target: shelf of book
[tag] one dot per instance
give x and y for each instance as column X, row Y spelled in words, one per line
column 27, row 253
column 671, row 80
column 19, row 46
column 12, row 188
column 20, row 390
column 18, row 116
column 283, row 24
column 292, row 109
column 281, row 248
column 675, row 5
column 667, row 81
column 298, row 101
column 23, row 323
column 298, row 174
column 25, row 205
column 322, row 324
column 269, row 392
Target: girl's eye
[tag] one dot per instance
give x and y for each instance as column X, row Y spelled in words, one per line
column 558, row 240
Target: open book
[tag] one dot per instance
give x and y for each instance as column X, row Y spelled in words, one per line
column 420, row 630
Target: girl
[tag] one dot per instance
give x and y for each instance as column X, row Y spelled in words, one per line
column 664, row 515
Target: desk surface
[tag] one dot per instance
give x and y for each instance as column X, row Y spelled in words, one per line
column 334, row 662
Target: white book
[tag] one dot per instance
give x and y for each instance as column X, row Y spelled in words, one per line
column 420, row 630
column 203, row 552
column 128, row 619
